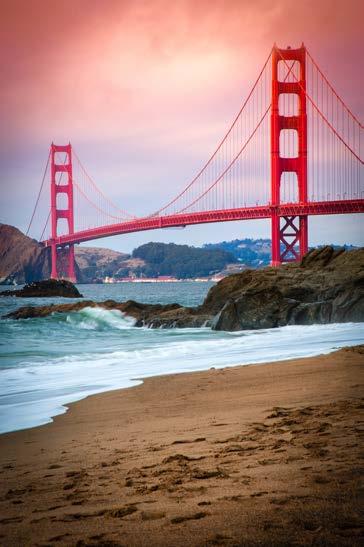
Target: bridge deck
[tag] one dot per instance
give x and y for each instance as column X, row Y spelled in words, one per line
column 186, row 219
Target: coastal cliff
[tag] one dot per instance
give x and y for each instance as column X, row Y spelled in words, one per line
column 327, row 286
column 22, row 259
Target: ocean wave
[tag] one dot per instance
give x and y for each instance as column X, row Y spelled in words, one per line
column 97, row 319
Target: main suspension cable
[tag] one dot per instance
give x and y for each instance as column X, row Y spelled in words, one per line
column 334, row 91
column 220, row 144
column 321, row 114
column 39, row 194
column 230, row 164
column 125, row 213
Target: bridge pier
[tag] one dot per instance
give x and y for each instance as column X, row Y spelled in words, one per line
column 54, row 271
column 71, row 264
column 68, row 262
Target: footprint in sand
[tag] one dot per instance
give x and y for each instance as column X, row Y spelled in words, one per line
column 152, row 515
column 59, row 538
column 258, row 494
column 10, row 520
column 183, row 518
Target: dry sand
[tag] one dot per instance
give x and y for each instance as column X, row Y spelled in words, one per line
column 254, row 455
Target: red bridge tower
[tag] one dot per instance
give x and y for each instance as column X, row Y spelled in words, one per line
column 62, row 184
column 288, row 231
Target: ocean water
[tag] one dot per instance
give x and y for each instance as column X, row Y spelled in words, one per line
column 46, row 363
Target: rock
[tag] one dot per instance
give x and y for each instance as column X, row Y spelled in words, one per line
column 326, row 287
column 22, row 259
column 29, row 312
column 47, row 288
column 152, row 315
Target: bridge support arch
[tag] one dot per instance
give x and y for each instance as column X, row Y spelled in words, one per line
column 62, row 183
column 288, row 232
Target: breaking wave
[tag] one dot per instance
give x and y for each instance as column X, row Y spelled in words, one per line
column 97, row 319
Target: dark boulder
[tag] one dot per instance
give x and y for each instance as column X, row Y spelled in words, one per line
column 46, row 288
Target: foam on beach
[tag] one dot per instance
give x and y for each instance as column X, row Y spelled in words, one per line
column 39, row 387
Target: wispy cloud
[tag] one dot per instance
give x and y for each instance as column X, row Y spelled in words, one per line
column 142, row 86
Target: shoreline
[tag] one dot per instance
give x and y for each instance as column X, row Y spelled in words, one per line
column 66, row 407
column 197, row 458
column 56, row 389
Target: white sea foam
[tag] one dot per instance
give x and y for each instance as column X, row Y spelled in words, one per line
column 99, row 319
column 36, row 389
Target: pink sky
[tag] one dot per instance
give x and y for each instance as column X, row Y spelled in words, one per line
column 145, row 89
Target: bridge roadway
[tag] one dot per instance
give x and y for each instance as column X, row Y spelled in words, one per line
column 226, row 215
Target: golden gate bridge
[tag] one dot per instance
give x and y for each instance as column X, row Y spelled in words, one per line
column 293, row 150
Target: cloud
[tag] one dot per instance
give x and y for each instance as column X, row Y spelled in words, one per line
column 146, row 89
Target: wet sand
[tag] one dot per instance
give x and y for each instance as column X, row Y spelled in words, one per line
column 254, row 455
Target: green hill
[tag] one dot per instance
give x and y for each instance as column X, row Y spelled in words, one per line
column 180, row 261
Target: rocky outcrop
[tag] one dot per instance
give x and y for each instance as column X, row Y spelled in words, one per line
column 153, row 315
column 47, row 288
column 326, row 287
column 22, row 259
column 140, row 312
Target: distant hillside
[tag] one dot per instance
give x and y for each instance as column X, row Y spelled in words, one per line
column 21, row 258
column 252, row 253
column 181, row 261
column 95, row 263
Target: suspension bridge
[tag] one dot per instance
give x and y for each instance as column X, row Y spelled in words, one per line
column 294, row 150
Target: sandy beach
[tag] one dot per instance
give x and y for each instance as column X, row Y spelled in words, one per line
column 252, row 455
